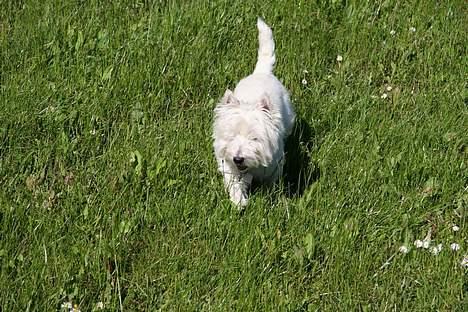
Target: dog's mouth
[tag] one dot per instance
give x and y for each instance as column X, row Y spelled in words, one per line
column 242, row 168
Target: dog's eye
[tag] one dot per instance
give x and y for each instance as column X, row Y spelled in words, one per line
column 255, row 139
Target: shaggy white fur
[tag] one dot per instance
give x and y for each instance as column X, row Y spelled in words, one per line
column 251, row 125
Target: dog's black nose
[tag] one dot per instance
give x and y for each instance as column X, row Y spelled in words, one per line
column 238, row 160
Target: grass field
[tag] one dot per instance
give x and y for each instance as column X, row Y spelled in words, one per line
column 109, row 194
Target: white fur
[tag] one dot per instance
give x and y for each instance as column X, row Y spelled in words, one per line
column 252, row 123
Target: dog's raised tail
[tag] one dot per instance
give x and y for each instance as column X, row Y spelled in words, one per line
column 266, row 49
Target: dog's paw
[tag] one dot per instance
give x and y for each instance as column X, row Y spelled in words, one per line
column 239, row 198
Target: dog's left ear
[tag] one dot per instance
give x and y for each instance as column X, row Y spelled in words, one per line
column 264, row 104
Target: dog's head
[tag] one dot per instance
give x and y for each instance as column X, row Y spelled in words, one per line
column 245, row 135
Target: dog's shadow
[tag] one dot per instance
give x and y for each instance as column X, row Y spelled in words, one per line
column 299, row 171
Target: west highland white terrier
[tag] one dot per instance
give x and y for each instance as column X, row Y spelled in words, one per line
column 251, row 125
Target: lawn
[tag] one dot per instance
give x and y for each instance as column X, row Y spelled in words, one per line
column 109, row 195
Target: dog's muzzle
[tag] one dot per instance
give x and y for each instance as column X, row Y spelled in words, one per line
column 239, row 162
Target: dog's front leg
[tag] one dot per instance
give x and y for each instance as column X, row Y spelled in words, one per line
column 237, row 186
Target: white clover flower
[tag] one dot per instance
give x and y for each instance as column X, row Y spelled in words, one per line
column 67, row 305
column 412, row 29
column 426, row 243
column 304, row 81
column 436, row 249
column 403, row 249
column 455, row 228
column 464, row 262
column 384, row 96
column 392, row 32
column 100, row 305
column 339, row 58
column 389, row 88
column 418, row 243
column 455, row 246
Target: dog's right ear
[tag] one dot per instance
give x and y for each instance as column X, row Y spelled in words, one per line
column 229, row 98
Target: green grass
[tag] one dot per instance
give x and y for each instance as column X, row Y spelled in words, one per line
column 108, row 185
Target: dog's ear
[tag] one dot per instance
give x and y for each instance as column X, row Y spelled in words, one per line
column 229, row 98
column 264, row 104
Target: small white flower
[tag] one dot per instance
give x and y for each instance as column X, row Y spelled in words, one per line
column 384, row 96
column 304, row 81
column 100, row 305
column 436, row 249
column 339, row 58
column 392, row 32
column 455, row 228
column 464, row 262
column 426, row 243
column 412, row 29
column 67, row 305
column 389, row 88
column 418, row 243
column 403, row 249
column 455, row 246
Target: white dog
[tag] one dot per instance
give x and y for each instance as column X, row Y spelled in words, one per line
column 251, row 125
